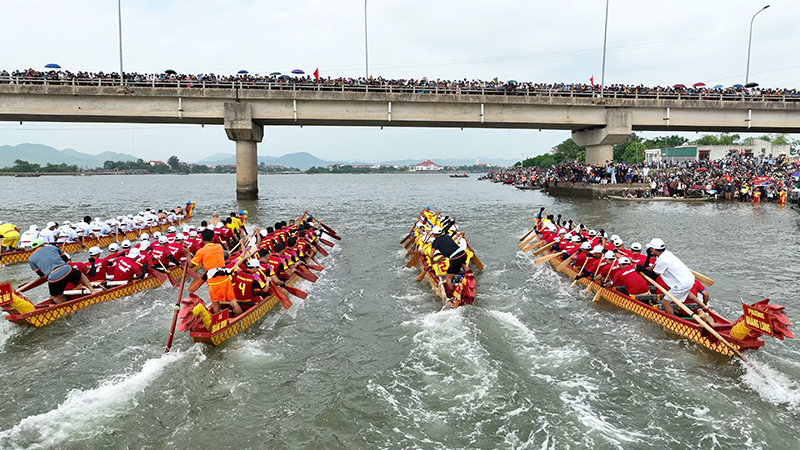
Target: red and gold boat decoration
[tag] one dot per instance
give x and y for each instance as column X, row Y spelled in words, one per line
column 759, row 319
column 418, row 243
column 22, row 311
column 78, row 246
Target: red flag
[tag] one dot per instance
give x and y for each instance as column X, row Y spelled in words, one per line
column 316, row 74
column 591, row 80
column 728, row 178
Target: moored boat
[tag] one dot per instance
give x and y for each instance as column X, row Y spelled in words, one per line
column 660, row 199
column 19, row 256
column 527, row 187
column 418, row 243
column 20, row 310
column 459, row 175
column 758, row 319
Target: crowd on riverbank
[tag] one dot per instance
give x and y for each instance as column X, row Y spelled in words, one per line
column 423, row 85
column 736, row 177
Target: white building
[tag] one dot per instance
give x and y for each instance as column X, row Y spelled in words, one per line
column 427, row 165
column 752, row 147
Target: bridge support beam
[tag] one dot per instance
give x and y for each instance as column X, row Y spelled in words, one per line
column 599, row 142
column 239, row 127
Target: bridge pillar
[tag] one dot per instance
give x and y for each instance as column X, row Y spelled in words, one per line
column 599, row 142
column 240, row 128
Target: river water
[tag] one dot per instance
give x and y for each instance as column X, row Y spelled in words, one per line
column 369, row 360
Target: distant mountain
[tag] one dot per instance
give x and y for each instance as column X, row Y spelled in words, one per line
column 42, row 155
column 304, row 160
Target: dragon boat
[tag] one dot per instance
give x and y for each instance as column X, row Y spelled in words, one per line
column 20, row 310
column 19, row 256
column 214, row 329
column 418, row 243
column 745, row 333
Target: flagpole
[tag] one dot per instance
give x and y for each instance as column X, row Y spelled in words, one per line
column 605, row 41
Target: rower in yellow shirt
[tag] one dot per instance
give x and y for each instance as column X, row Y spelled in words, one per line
column 9, row 236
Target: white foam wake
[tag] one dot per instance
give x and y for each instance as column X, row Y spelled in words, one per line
column 773, row 386
column 81, row 414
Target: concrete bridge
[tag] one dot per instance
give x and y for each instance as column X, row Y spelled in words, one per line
column 244, row 110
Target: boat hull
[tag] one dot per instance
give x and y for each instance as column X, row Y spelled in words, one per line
column 47, row 313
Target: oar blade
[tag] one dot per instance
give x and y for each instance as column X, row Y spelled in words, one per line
column 299, row 293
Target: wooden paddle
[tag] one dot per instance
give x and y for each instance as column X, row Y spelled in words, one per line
column 278, row 293
column 172, row 279
column 561, row 266
column 421, row 275
column 541, row 249
column 698, row 320
column 547, row 257
column 196, row 284
column 306, row 274
column 602, row 263
column 413, row 261
column 329, row 230
column 177, row 307
column 326, row 242
column 296, row 292
column 526, row 241
column 703, row 279
column 580, row 272
column 597, row 295
column 161, row 277
column 313, row 266
column 31, row 284
column 321, row 250
column 526, row 234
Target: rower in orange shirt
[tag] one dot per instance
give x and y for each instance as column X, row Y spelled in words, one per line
column 212, row 258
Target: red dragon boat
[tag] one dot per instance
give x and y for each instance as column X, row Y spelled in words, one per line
column 20, row 310
column 74, row 247
column 745, row 333
column 419, row 252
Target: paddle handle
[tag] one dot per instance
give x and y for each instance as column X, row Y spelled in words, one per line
column 177, row 307
column 580, row 272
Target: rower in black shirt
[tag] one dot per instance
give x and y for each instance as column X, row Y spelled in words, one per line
column 448, row 249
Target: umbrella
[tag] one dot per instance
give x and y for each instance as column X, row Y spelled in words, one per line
column 285, row 76
column 170, row 72
column 242, row 71
column 751, row 84
column 298, row 71
column 738, row 86
column 679, row 86
column 52, row 66
column 701, row 169
column 275, row 74
column 796, row 173
column 698, row 84
column 512, row 81
column 718, row 86
column 697, row 186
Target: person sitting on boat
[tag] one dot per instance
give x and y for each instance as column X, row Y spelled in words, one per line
column 214, row 220
column 171, row 233
column 626, row 276
column 95, row 268
column 583, row 255
column 605, row 266
column 48, row 235
column 110, row 261
column 145, row 255
column 446, row 247
column 247, row 282
column 234, row 224
column 160, row 254
column 212, row 258
column 243, row 220
column 127, row 269
column 28, row 236
column 635, row 254
column 125, row 246
column 699, row 290
column 673, row 272
column 48, row 260
column 9, row 236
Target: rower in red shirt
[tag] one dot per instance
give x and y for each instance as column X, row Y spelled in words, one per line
column 603, row 268
column 127, row 268
column 595, row 257
column 175, row 250
column 626, row 275
column 582, row 256
column 698, row 290
column 247, row 285
column 96, row 266
column 636, row 255
column 160, row 253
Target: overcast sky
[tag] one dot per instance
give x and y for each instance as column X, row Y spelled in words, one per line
column 649, row 42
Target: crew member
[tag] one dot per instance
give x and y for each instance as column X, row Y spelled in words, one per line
column 626, row 275
column 50, row 261
column 9, row 236
column 212, row 258
column 445, row 245
column 674, row 273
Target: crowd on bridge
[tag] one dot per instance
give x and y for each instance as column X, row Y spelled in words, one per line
column 417, row 85
column 735, row 177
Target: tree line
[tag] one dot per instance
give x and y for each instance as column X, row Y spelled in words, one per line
column 173, row 165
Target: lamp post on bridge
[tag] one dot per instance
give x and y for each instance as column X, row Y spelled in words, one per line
column 605, row 41
column 749, row 43
column 366, row 48
column 119, row 14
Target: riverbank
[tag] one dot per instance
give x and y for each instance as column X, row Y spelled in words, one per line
column 583, row 190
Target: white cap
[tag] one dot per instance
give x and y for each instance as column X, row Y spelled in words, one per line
column 624, row 260
column 598, row 249
column 114, row 247
column 636, row 246
column 193, row 233
column 66, row 222
column 134, row 253
column 126, row 244
column 163, row 240
column 586, row 246
column 144, row 245
column 592, row 233
column 436, row 230
column 156, row 235
column 171, row 229
column 613, row 237
column 34, row 227
column 568, row 236
column 253, row 263
column 657, row 244
column 617, row 242
column 550, row 226
column 186, row 228
column 51, row 224
column 219, row 225
column 94, row 251
column 609, row 255
column 144, row 237
column 180, row 236
column 263, row 233
column 576, row 238
column 562, row 231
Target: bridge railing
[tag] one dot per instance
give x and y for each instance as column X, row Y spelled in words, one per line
column 503, row 90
